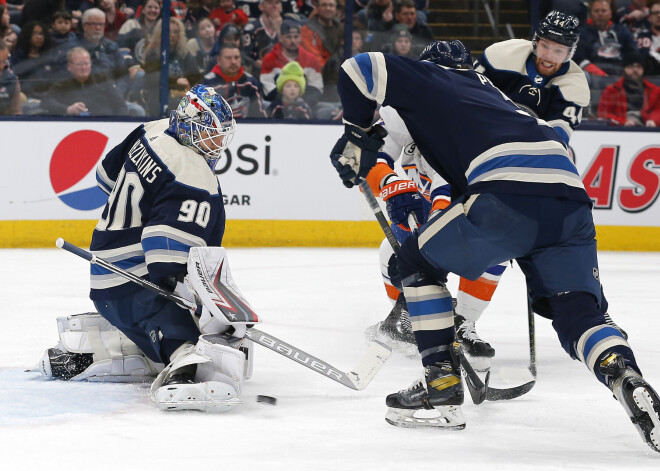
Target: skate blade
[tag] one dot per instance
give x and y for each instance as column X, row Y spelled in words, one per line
column 445, row 417
column 211, row 407
column 212, row 397
column 644, row 403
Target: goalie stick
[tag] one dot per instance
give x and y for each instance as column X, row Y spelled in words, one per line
column 358, row 378
column 479, row 390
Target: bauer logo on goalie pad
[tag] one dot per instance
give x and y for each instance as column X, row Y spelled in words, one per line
column 216, row 297
column 214, row 285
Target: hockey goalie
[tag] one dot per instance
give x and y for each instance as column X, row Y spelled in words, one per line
column 164, row 222
column 205, row 375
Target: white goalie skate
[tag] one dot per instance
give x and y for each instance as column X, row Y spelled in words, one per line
column 206, row 377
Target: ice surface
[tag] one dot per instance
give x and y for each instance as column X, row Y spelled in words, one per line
column 320, row 300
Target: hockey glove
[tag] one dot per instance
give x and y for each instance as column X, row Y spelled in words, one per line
column 402, row 198
column 356, row 152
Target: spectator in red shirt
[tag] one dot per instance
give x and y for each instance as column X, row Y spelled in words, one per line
column 228, row 13
column 633, row 100
column 114, row 18
column 288, row 49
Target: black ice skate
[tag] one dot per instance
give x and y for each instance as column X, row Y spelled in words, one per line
column 637, row 397
column 478, row 351
column 433, row 401
column 63, row 365
column 395, row 331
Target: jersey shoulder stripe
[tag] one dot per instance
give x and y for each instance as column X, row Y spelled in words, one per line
column 187, row 166
column 509, row 55
column 369, row 74
column 573, row 85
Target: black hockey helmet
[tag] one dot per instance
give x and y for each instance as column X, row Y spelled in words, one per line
column 452, row 54
column 561, row 28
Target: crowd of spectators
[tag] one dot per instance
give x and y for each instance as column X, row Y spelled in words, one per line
column 243, row 48
column 247, row 48
column 619, row 51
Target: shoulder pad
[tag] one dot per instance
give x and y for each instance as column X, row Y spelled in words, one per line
column 509, row 55
column 573, row 85
column 187, row 166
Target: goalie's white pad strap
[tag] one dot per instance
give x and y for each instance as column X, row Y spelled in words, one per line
column 91, row 333
column 115, row 355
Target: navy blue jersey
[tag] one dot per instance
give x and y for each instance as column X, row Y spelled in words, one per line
column 164, row 199
column 469, row 132
column 557, row 99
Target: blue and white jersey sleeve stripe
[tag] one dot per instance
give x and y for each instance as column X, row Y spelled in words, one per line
column 167, row 244
column 103, row 180
column 369, row 74
column 129, row 257
column 562, row 128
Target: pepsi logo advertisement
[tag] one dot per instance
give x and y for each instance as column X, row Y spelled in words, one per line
column 73, row 159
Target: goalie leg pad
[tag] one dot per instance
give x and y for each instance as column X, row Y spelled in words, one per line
column 220, row 369
column 210, row 278
column 115, row 358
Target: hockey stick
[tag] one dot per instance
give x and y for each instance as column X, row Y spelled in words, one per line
column 358, row 378
column 532, row 338
column 495, row 394
column 479, row 390
column 375, row 208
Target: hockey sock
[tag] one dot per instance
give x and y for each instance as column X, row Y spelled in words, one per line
column 432, row 317
column 600, row 341
column 474, row 296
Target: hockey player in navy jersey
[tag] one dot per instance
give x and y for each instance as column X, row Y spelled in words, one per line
column 164, row 203
column 421, row 191
column 539, row 75
column 516, row 195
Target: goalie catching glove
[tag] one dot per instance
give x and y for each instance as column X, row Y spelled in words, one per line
column 356, row 152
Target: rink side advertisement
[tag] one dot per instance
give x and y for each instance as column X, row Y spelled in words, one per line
column 280, row 189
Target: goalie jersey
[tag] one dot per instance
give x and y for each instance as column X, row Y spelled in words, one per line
column 557, row 99
column 163, row 199
column 468, row 131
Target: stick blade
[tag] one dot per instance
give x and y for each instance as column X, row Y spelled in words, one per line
column 495, row 394
column 372, row 361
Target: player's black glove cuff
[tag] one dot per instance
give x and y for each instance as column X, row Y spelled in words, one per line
column 356, row 152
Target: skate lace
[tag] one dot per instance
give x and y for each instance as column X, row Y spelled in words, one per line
column 467, row 331
column 419, row 383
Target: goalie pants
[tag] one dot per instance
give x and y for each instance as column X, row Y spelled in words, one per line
column 553, row 241
column 156, row 325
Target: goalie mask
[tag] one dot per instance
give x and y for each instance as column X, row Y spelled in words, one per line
column 560, row 28
column 453, row 54
column 204, row 122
